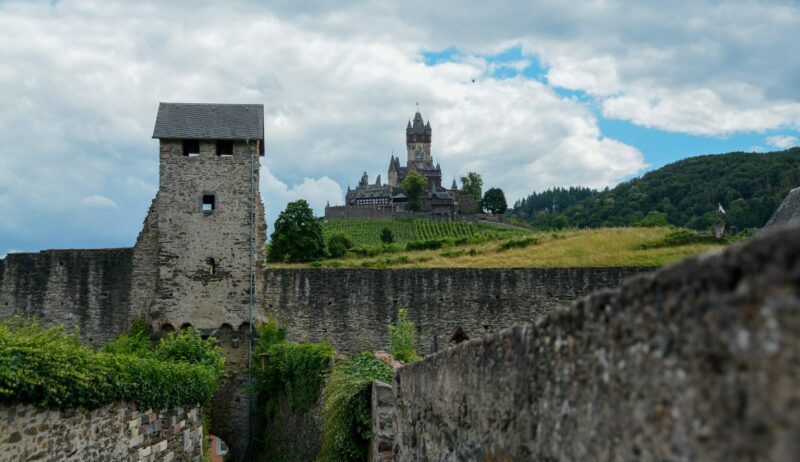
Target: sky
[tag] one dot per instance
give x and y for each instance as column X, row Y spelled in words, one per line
column 532, row 95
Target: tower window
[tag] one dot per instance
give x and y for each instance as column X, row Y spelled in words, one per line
column 224, row 147
column 212, row 266
column 209, row 202
column 191, row 148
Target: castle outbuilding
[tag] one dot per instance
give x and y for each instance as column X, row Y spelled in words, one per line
column 381, row 200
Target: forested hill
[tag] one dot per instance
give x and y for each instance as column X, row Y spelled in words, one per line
column 749, row 186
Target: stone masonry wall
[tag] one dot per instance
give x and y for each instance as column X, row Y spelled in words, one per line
column 351, row 308
column 696, row 361
column 84, row 289
column 117, row 431
column 380, row 448
column 188, row 291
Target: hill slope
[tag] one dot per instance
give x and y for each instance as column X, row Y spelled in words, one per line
column 749, row 186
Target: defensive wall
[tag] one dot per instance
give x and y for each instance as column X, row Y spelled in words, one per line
column 696, row 361
column 116, row 431
column 350, row 308
column 84, row 289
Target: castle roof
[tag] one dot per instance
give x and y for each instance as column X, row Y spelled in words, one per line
column 418, row 127
column 210, row 121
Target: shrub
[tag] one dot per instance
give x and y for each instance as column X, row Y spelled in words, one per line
column 401, row 338
column 652, row 220
column 346, row 408
column 338, row 245
column 387, row 236
column 518, row 243
column 297, row 370
column 50, row 368
column 431, row 244
column 679, row 237
column 188, row 346
column 135, row 343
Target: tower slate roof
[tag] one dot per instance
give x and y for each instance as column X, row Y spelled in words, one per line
column 788, row 211
column 418, row 127
column 210, row 121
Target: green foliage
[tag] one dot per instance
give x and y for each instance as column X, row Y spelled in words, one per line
column 431, row 244
column 136, row 343
column 539, row 207
column 472, row 184
column 414, row 184
column 401, row 338
column 519, row 243
column 297, row 236
column 338, row 245
column 678, row 237
column 494, row 201
column 188, row 346
column 292, row 371
column 50, row 368
column 750, row 186
column 387, row 236
column 653, row 220
column 296, row 370
column 346, row 408
column 269, row 333
column 366, row 234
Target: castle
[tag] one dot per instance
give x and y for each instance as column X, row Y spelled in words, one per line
column 390, row 199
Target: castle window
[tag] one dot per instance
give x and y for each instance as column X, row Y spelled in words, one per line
column 224, row 147
column 209, row 202
column 191, row 148
column 212, row 266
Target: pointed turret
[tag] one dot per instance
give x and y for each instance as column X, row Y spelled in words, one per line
column 455, row 186
column 408, row 129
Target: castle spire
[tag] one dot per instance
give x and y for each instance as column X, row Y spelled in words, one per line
column 455, row 186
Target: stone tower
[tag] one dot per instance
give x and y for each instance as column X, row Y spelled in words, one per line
column 207, row 216
column 418, row 141
column 202, row 242
column 418, row 144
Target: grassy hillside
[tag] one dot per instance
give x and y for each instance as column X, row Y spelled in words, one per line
column 366, row 233
column 593, row 247
column 750, row 186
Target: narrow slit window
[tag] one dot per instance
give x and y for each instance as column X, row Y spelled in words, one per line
column 224, row 147
column 209, row 202
column 212, row 266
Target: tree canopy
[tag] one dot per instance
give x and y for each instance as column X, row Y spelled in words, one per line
column 414, row 184
column 297, row 236
column 472, row 184
column 749, row 186
column 494, row 201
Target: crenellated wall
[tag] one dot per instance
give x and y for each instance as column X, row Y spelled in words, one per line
column 696, row 361
column 351, row 308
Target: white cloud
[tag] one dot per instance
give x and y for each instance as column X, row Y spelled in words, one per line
column 782, row 141
column 276, row 194
column 80, row 82
column 98, row 201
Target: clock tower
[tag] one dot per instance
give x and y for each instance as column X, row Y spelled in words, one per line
column 418, row 142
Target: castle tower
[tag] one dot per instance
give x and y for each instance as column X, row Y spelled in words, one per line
column 203, row 239
column 207, row 217
column 418, row 141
